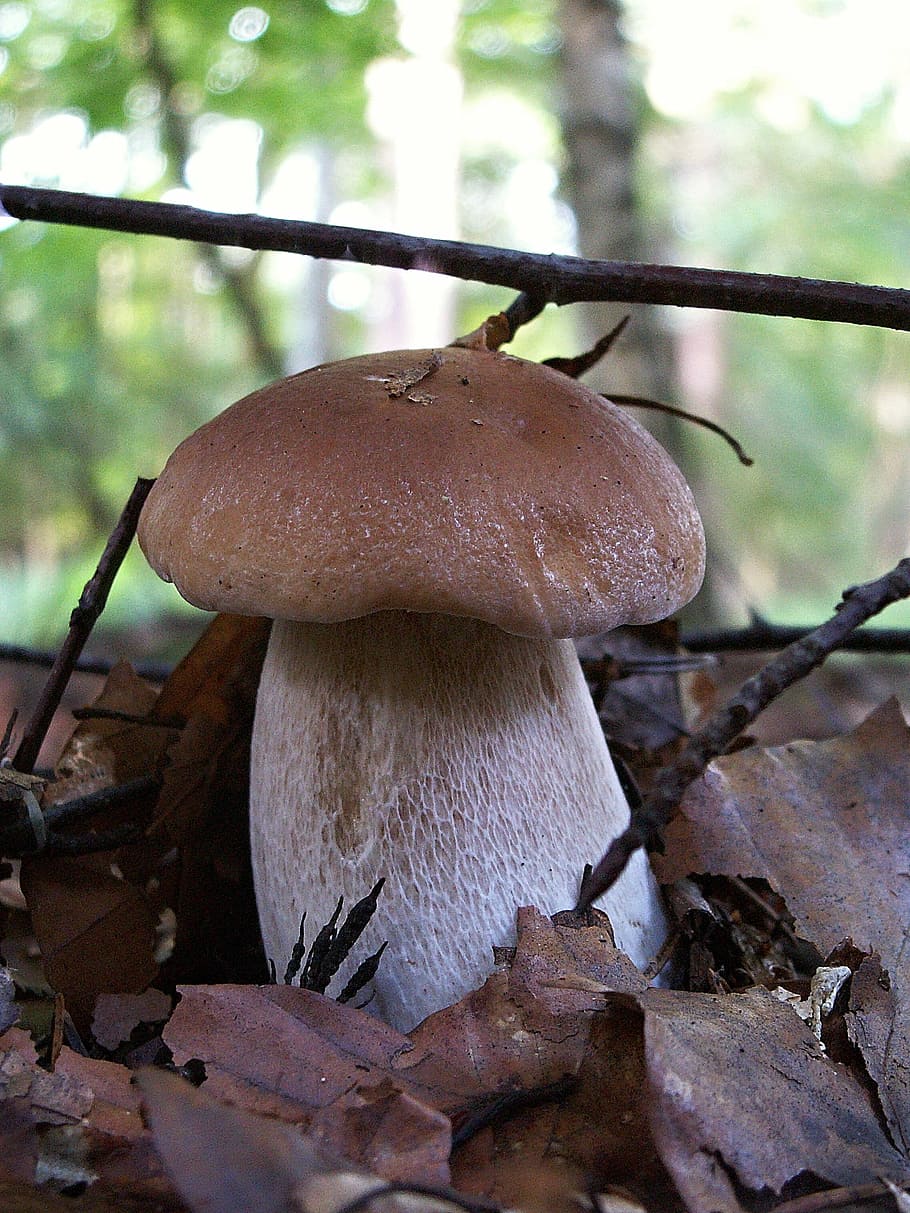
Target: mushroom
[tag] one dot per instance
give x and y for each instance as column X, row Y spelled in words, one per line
column 428, row 530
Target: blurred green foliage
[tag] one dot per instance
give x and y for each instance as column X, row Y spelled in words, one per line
column 112, row 348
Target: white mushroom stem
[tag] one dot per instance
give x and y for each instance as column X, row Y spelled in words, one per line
column 465, row 765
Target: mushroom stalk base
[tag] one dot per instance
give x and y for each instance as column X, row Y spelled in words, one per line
column 465, row 765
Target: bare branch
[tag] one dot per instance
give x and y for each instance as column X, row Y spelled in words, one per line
column 544, row 278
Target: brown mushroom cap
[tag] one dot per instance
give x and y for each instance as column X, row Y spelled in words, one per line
column 456, row 481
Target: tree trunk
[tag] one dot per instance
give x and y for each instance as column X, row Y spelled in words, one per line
column 601, row 133
column 601, row 128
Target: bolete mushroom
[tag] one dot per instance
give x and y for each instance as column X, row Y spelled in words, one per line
column 428, row 529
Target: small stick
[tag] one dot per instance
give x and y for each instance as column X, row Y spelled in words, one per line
column 82, row 620
column 643, row 402
column 776, row 920
column 151, row 671
column 576, row 367
column 833, row 1198
column 67, row 811
column 858, row 604
column 7, row 737
column 762, row 636
column 522, row 310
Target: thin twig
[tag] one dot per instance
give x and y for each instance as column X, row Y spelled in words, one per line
column 833, row 1198
column 522, row 310
column 551, row 278
column 68, row 811
column 759, row 636
column 470, row 1204
column 31, row 833
column 7, row 737
column 151, row 671
column 146, row 722
column 643, row 402
column 82, row 620
column 505, row 1104
column 797, row 660
column 91, row 844
column 762, row 636
column 576, row 366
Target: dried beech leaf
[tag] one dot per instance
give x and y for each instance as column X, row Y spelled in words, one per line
column 371, row 1095
column 96, row 931
column 826, row 824
column 226, row 644
column 303, row 1059
column 213, row 691
column 103, row 752
column 220, row 1159
column 118, row 1015
column 738, row 1086
column 19, row 1154
column 591, row 1134
column 202, row 806
column 878, row 1023
column 224, row 1160
column 80, row 1123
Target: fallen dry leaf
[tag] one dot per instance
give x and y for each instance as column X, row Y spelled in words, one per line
column 202, row 806
column 224, row 1160
column 878, row 1023
column 19, row 1155
column 738, row 1088
column 826, row 824
column 213, row 691
column 91, row 914
column 78, row 1125
column 301, row 1058
column 363, row 1091
column 97, row 931
column 117, row 1016
column 96, row 917
column 104, row 751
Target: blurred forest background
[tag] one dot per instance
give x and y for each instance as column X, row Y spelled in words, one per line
column 771, row 137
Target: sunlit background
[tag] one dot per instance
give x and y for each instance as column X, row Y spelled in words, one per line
column 770, row 137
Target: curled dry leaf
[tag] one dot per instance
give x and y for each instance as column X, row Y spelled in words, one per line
column 97, row 917
column 878, row 1023
column 97, row 931
column 826, row 824
column 220, row 1159
column 212, row 691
